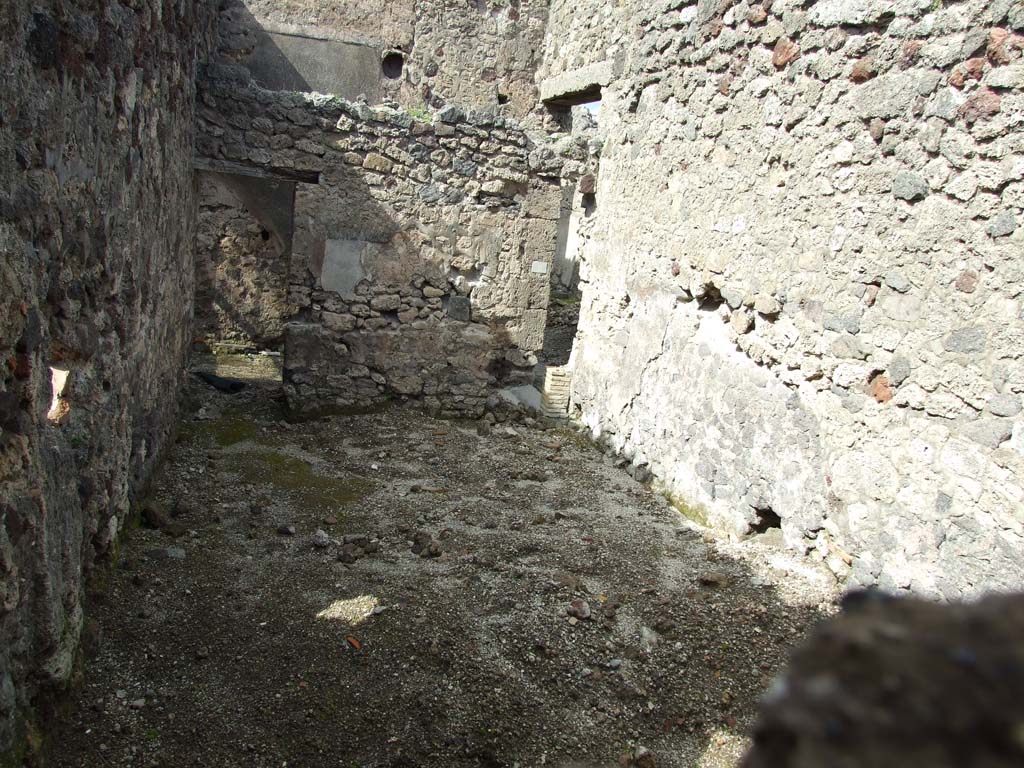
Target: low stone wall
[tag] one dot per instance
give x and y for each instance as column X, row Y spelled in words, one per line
column 420, row 255
column 801, row 295
column 96, row 224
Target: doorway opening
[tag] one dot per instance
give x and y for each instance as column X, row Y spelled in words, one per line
column 243, row 265
column 579, row 115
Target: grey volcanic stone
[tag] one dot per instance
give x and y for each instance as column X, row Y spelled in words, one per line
column 1002, row 225
column 1004, row 405
column 898, row 282
column 898, row 370
column 460, row 308
column 968, row 341
column 909, row 186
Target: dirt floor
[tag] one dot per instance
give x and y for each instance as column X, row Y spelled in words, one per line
column 387, row 589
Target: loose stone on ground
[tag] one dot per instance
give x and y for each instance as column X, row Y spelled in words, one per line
column 412, row 615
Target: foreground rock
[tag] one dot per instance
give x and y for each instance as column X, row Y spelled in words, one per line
column 901, row 683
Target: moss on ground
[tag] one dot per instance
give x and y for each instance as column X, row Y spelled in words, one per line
column 297, row 478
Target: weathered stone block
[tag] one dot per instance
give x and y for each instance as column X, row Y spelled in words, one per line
column 909, row 186
column 989, row 432
column 968, row 341
column 1004, row 405
column 460, row 309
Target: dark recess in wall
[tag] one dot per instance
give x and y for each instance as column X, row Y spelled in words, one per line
column 393, row 64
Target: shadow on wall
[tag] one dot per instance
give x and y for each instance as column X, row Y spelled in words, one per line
column 376, row 316
column 370, row 313
column 563, row 320
column 96, row 277
column 242, row 260
column 291, row 62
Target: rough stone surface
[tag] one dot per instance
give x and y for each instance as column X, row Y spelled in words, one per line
column 878, row 213
column 96, row 221
column 404, row 219
column 900, row 682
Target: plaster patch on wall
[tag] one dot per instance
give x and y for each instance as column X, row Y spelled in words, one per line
column 283, row 62
column 343, row 266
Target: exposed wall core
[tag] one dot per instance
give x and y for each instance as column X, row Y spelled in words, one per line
column 420, row 263
column 802, row 287
column 96, row 223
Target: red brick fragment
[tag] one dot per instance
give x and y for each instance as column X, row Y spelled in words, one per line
column 22, row 367
column 880, row 390
column 785, row 51
column 967, row 282
column 911, row 53
column 985, row 103
column 863, row 70
column 1004, row 46
column 972, row 69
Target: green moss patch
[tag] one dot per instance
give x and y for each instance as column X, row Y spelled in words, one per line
column 227, row 431
column 693, row 512
column 297, row 478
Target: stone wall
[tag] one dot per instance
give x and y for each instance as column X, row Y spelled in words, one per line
column 420, row 256
column 474, row 55
column 96, row 223
column 801, row 292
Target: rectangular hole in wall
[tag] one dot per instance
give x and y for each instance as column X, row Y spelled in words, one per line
column 243, row 269
column 577, row 114
column 576, row 88
column 60, row 402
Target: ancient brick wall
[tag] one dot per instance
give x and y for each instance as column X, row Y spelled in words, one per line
column 801, row 294
column 421, row 249
column 96, row 223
